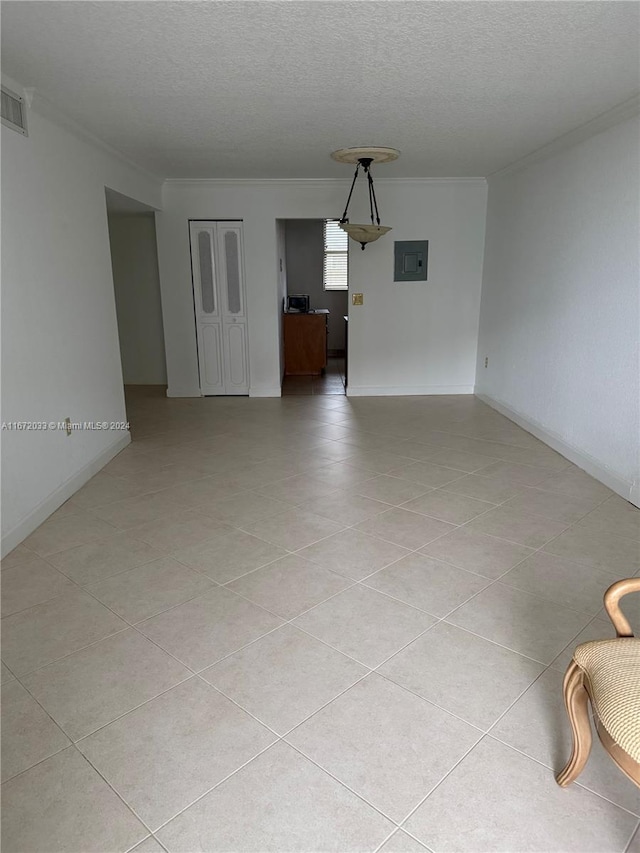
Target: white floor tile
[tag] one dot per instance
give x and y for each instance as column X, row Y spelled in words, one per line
column 405, row 528
column 428, row 584
column 520, row 621
column 35, row 637
column 96, row 561
column 400, row 842
column 564, row 582
column 363, row 521
column 61, row 806
column 289, row 586
column 92, row 687
column 365, row 624
column 279, row 802
column 227, row 557
column 32, row 583
column 477, row 552
column 143, row 592
column 379, row 740
column 477, row 683
column 293, row 530
column 284, row 677
column 164, row 755
column 209, row 627
column 353, row 554
column 497, row 799
column 29, row 735
column 537, row 725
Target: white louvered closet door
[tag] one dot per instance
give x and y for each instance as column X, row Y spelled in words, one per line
column 219, row 298
column 234, row 316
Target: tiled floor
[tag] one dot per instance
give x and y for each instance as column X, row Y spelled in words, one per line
column 311, row 624
column 331, row 382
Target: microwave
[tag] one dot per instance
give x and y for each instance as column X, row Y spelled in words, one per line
column 298, row 304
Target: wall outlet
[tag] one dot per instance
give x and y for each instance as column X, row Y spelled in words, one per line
column 357, row 298
column 67, row 425
column 486, row 361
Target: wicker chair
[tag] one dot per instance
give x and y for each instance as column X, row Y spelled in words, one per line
column 607, row 673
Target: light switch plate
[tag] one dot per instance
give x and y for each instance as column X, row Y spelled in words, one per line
column 410, row 259
column 357, row 298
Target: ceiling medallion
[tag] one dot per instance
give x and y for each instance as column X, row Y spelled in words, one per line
column 364, row 157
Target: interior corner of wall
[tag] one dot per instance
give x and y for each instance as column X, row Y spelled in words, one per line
column 265, row 391
column 175, row 391
column 55, row 499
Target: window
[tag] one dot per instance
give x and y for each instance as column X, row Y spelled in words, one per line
column 336, row 256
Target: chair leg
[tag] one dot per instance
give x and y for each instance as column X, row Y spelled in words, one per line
column 576, row 700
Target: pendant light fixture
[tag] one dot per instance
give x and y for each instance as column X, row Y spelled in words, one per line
column 364, row 157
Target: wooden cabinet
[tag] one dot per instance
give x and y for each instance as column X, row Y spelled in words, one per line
column 305, row 343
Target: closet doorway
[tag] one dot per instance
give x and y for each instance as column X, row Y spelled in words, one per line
column 220, row 306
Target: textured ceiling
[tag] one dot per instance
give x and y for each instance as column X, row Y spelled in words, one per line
column 269, row 89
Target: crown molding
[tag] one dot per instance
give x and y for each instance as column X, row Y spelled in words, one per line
column 311, row 182
column 16, row 87
column 48, row 109
column 627, row 109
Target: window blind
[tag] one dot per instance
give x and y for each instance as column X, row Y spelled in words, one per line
column 336, row 256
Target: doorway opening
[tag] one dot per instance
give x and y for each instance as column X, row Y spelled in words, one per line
column 136, row 283
column 313, row 263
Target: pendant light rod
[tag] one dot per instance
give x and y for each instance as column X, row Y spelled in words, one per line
column 353, row 183
column 372, row 197
column 365, row 162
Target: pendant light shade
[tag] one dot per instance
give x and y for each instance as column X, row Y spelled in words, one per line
column 364, row 157
column 364, row 233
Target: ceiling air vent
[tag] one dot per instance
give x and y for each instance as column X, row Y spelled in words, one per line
column 14, row 113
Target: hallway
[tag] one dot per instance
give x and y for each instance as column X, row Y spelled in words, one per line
column 331, row 383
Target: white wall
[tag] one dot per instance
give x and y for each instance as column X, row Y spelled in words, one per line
column 560, row 315
column 420, row 337
column 305, row 265
column 134, row 259
column 407, row 338
column 59, row 336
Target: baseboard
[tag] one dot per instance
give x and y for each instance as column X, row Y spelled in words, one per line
column 51, row 503
column 265, row 391
column 627, row 490
column 254, row 391
column 406, row 390
column 172, row 391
